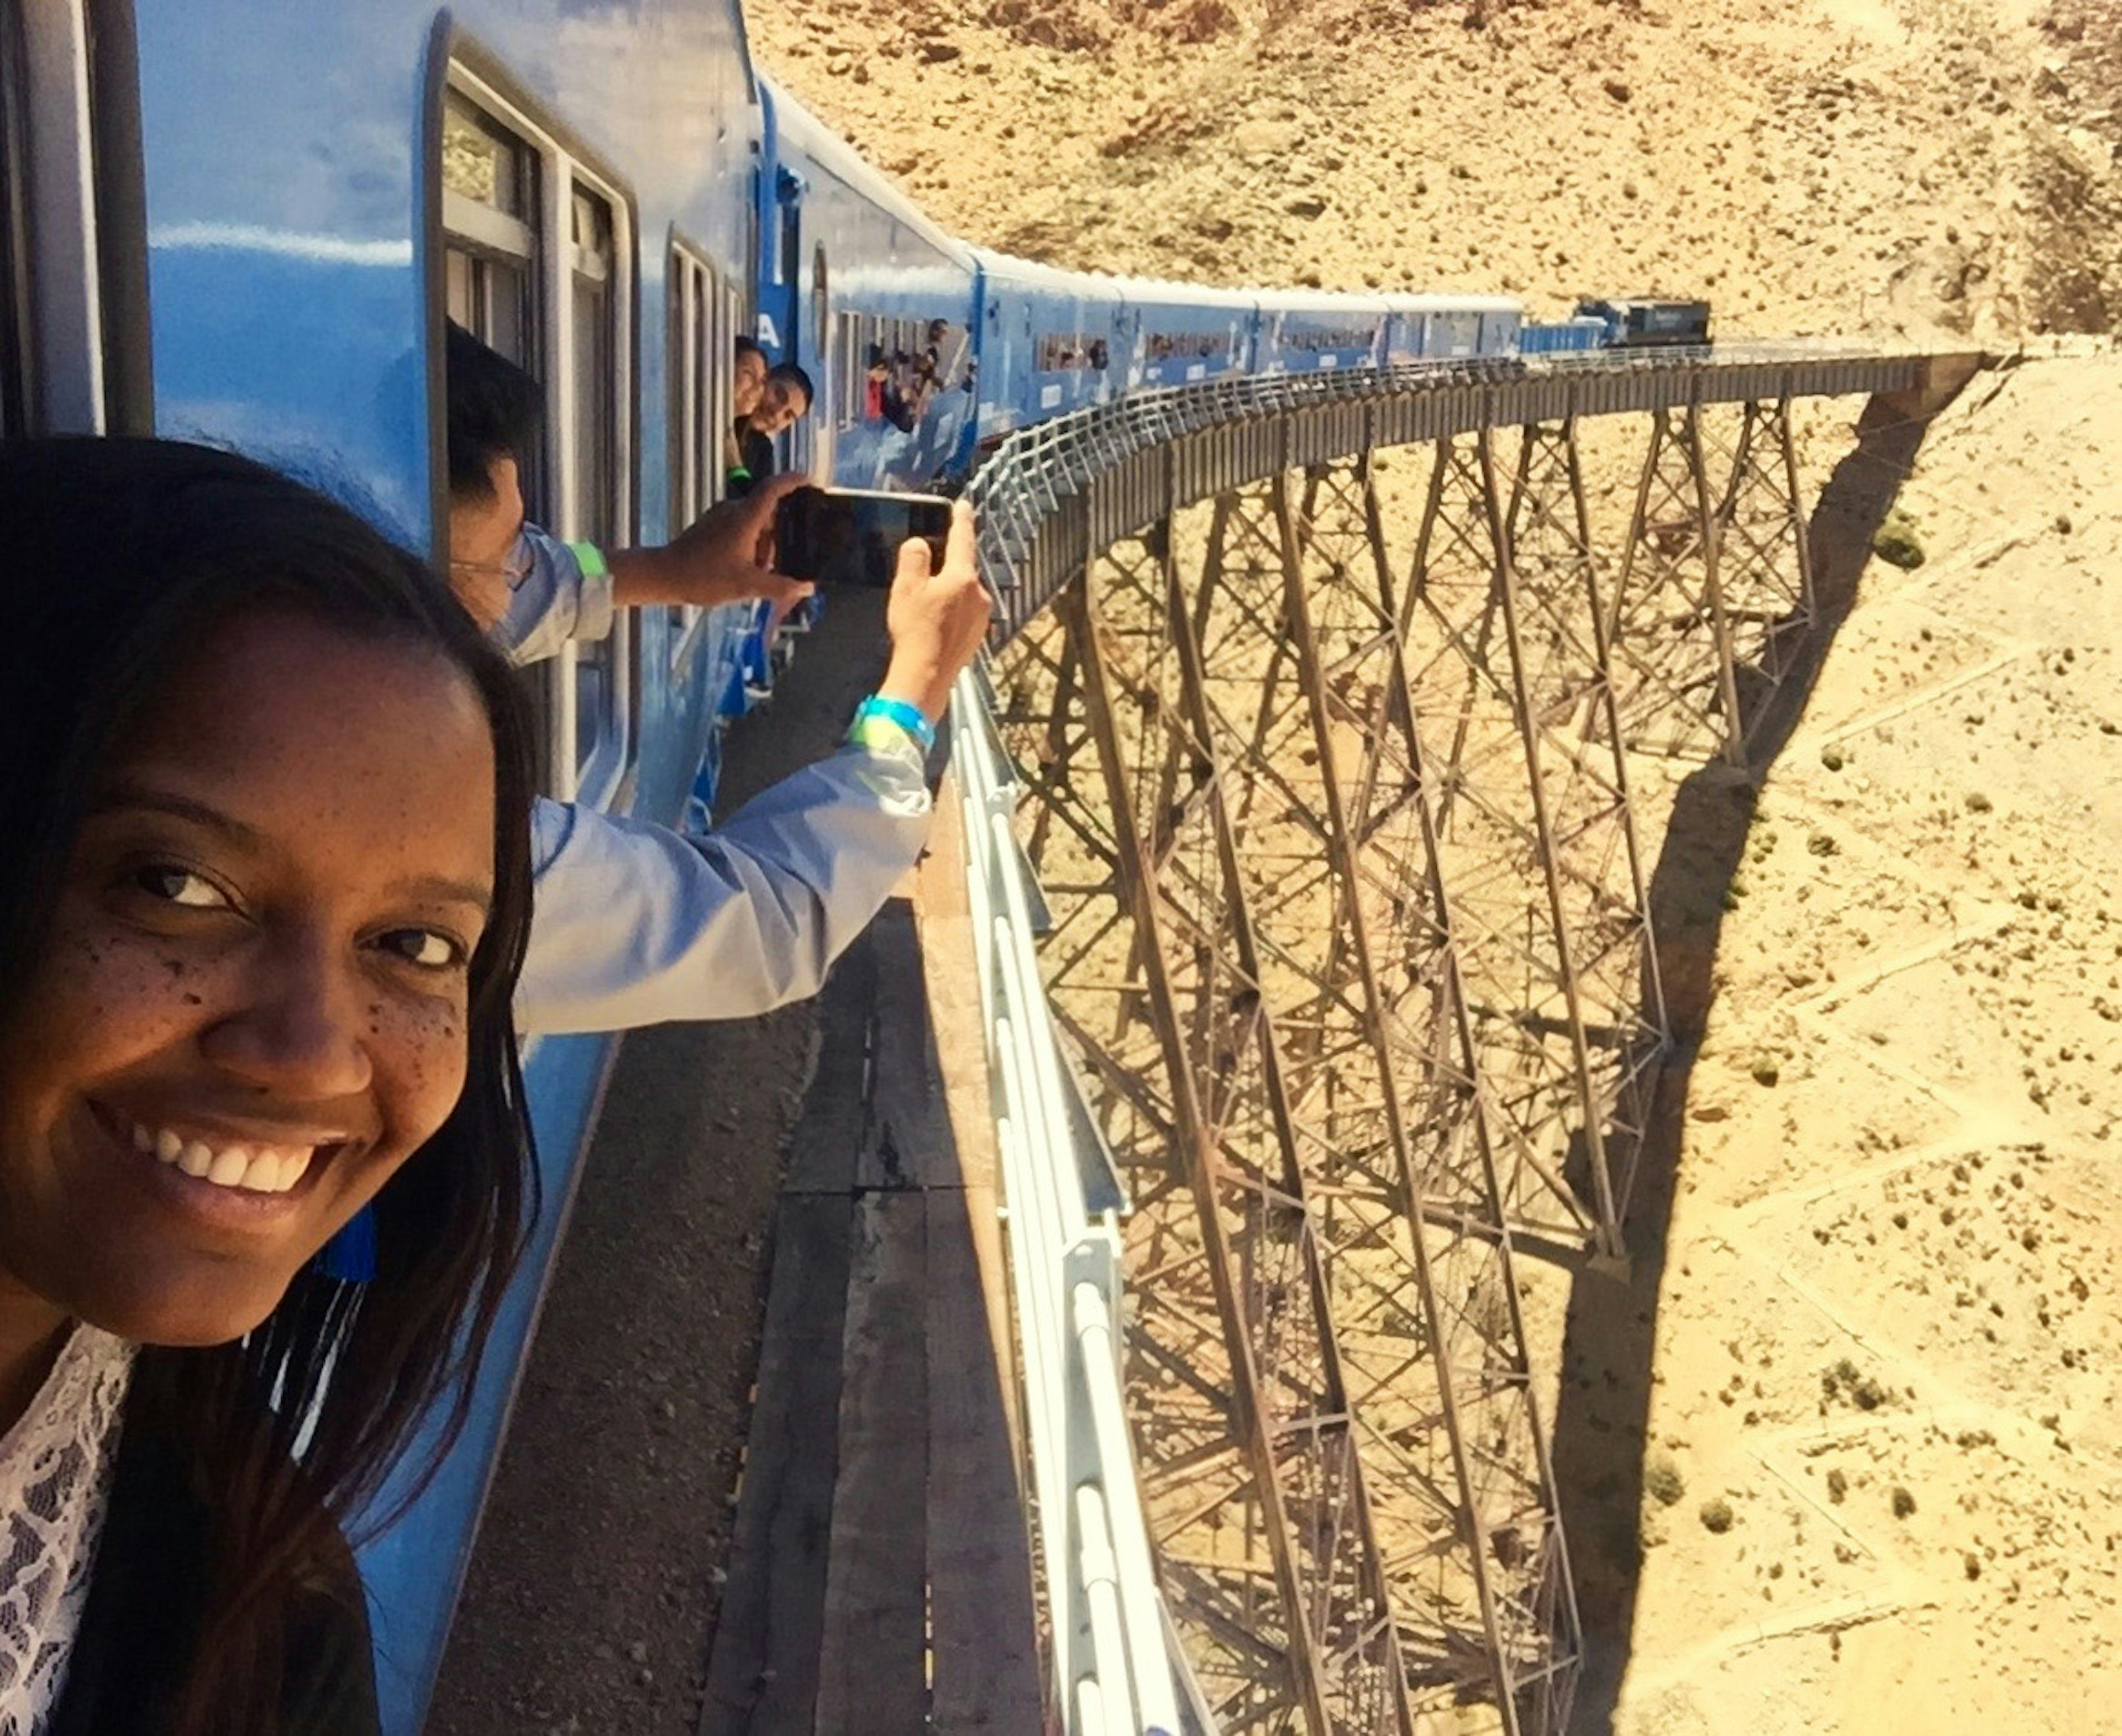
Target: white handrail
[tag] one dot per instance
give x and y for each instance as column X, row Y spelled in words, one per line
column 1114, row 1673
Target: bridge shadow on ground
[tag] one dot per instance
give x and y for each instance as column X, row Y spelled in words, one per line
column 1602, row 1417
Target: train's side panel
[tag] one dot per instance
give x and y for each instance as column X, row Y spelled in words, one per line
column 1051, row 342
column 1561, row 337
column 287, row 162
column 1108, row 323
column 1306, row 334
column 1177, row 337
column 884, row 324
column 1500, row 325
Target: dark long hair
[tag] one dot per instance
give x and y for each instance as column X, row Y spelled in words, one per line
column 123, row 555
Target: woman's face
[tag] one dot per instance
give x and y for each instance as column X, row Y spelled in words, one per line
column 250, row 1007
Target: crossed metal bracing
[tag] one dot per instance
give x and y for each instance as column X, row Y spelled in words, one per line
column 1716, row 582
column 1326, row 786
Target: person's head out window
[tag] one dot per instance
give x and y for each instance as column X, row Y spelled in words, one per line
column 264, row 887
column 748, row 381
column 495, row 409
column 786, row 400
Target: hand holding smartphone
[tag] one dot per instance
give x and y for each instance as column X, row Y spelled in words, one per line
column 851, row 536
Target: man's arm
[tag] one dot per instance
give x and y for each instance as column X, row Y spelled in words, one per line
column 633, row 924
column 559, row 599
column 572, row 590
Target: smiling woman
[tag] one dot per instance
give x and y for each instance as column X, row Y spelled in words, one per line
column 265, row 886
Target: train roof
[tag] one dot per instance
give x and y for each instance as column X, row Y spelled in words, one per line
column 1642, row 301
column 1008, row 268
column 1166, row 292
column 796, row 127
column 1320, row 302
column 1432, row 302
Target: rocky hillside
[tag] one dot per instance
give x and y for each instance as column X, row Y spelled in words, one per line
column 1918, row 166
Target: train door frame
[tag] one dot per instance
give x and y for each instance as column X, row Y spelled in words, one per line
column 571, row 180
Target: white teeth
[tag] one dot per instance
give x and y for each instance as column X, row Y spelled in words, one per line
column 262, row 1174
column 254, row 1168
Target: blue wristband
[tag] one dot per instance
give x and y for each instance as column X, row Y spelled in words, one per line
column 909, row 718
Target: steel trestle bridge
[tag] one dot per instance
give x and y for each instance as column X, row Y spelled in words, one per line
column 1304, row 797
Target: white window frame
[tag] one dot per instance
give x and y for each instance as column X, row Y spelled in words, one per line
column 64, row 322
column 602, row 778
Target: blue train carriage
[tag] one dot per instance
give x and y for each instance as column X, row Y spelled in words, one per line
column 1453, row 328
column 1648, row 322
column 1307, row 332
column 1180, row 333
column 1048, row 343
column 574, row 190
column 887, row 301
column 1577, row 336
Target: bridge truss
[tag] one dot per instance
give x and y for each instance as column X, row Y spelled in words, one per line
column 1324, row 778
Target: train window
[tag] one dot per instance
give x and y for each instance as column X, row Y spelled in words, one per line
column 72, row 230
column 602, row 693
column 538, row 261
column 1316, row 339
column 1067, row 351
column 685, row 360
column 490, row 209
column 792, row 242
column 704, row 322
column 807, row 444
column 850, row 376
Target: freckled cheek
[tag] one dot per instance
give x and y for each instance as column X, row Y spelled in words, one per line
column 101, row 993
column 421, row 1050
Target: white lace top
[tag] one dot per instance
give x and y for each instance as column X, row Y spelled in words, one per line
column 55, row 1468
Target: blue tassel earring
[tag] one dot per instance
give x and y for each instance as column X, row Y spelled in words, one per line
column 350, row 1256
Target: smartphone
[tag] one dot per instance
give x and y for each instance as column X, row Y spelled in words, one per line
column 851, row 536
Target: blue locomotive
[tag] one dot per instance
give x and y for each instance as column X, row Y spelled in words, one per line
column 249, row 224
column 1648, row 322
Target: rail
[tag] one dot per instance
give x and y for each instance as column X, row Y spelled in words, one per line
column 1115, row 1664
column 1153, row 451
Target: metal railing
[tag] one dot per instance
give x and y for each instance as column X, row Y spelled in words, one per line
column 1115, row 1668
column 1159, row 449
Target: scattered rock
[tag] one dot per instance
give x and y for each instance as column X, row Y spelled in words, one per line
column 1717, row 1515
column 1850, row 1383
column 1896, row 542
